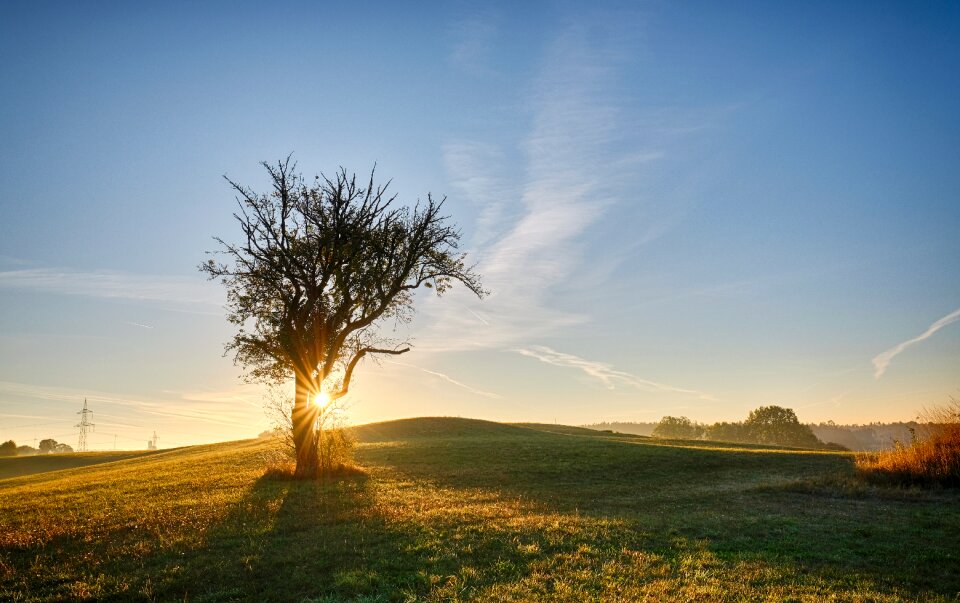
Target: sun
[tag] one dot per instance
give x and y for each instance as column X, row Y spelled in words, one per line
column 321, row 399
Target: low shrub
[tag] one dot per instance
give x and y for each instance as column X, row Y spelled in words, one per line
column 335, row 447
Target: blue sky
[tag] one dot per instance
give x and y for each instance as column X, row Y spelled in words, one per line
column 680, row 208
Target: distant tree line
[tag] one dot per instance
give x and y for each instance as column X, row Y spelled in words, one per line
column 774, row 425
column 870, row 437
column 47, row 446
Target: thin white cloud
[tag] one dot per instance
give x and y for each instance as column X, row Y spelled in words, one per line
column 18, row 416
column 476, row 171
column 138, row 324
column 882, row 361
column 44, row 392
column 834, row 401
column 241, row 394
column 479, row 316
column 529, row 240
column 108, row 284
column 604, row 373
column 213, row 418
column 448, row 379
column 587, row 158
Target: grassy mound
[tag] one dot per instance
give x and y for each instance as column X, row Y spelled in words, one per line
column 570, row 430
column 432, row 427
column 452, row 509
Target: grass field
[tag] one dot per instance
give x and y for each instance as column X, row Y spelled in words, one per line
column 454, row 509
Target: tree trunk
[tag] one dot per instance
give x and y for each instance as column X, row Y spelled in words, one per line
column 304, row 426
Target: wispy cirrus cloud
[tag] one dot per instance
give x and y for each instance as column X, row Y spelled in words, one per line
column 604, row 373
column 882, row 361
column 138, row 324
column 529, row 229
column 248, row 394
column 448, row 379
column 476, row 171
column 107, row 284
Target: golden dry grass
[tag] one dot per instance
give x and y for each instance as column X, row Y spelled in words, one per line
column 931, row 460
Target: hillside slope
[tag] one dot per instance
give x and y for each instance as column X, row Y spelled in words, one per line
column 15, row 466
column 454, row 509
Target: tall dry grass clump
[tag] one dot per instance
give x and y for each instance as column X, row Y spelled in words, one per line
column 931, row 459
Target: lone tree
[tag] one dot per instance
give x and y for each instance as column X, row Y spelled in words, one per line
column 318, row 267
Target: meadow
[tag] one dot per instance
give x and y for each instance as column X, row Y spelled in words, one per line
column 457, row 509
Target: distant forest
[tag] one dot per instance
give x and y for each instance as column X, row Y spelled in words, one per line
column 870, row 437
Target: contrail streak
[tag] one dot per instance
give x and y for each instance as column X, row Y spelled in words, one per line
column 882, row 361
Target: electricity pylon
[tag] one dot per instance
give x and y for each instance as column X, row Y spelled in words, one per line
column 84, row 424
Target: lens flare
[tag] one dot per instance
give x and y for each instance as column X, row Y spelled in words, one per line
column 321, row 399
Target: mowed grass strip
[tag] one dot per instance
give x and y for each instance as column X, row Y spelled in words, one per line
column 453, row 509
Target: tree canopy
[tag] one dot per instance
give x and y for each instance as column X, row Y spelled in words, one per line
column 319, row 266
column 50, row 445
column 779, row 425
column 677, row 427
column 8, row 448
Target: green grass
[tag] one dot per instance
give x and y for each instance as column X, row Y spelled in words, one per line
column 15, row 466
column 454, row 509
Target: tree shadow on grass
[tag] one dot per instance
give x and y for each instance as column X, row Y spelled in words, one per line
column 301, row 540
column 442, row 525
